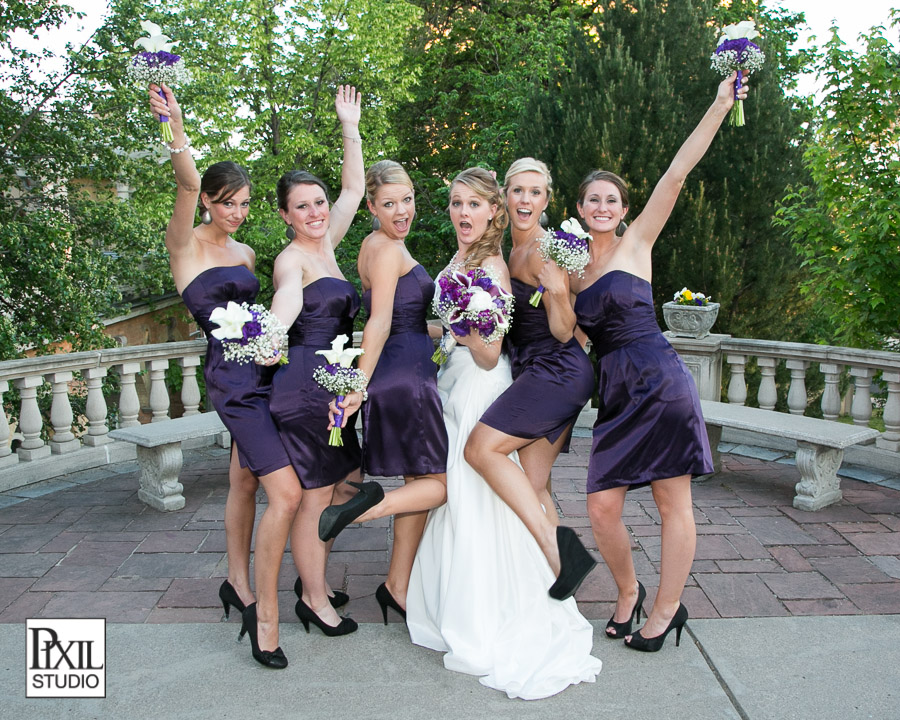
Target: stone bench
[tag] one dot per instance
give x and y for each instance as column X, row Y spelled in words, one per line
column 160, row 455
column 820, row 445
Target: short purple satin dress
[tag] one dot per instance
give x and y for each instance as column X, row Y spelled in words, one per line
column 299, row 404
column 649, row 424
column 552, row 381
column 403, row 422
column 239, row 393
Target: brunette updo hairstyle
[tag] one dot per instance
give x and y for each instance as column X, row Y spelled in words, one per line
column 385, row 172
column 291, row 179
column 608, row 176
column 222, row 181
column 529, row 164
column 484, row 184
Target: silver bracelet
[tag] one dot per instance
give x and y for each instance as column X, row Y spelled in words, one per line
column 365, row 394
column 354, row 139
column 175, row 151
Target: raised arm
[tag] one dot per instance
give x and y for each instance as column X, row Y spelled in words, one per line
column 179, row 234
column 353, row 181
column 647, row 227
column 557, row 300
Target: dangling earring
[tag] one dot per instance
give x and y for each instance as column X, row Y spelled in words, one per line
column 543, row 220
column 205, row 217
column 621, row 228
column 289, row 232
column 376, row 223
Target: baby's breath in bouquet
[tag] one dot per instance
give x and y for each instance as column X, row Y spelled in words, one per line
column 736, row 52
column 567, row 247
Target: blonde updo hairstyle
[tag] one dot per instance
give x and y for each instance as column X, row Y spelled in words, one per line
column 529, row 164
column 484, row 184
column 385, row 172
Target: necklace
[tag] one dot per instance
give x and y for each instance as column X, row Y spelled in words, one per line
column 456, row 264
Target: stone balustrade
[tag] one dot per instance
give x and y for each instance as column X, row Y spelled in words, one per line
column 63, row 452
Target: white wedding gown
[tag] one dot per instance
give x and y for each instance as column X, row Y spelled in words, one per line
column 478, row 590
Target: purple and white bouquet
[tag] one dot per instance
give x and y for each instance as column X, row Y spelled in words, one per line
column 339, row 378
column 249, row 333
column 568, row 247
column 157, row 64
column 467, row 302
column 736, row 52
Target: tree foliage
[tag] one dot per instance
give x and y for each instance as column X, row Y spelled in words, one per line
column 845, row 223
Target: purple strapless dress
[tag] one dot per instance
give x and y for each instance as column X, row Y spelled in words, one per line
column 239, row 393
column 552, row 380
column 649, row 425
column 403, row 422
column 299, row 404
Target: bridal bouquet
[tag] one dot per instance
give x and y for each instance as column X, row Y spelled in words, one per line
column 567, row 247
column 736, row 52
column 248, row 332
column 156, row 64
column 339, row 378
column 470, row 301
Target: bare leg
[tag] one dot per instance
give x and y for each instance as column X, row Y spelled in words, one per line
column 487, row 451
column 240, row 514
column 679, row 542
column 420, row 493
column 311, row 554
column 614, row 542
column 284, row 495
column 537, row 460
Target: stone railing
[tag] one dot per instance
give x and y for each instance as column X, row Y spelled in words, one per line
column 141, row 372
column 64, row 452
column 707, row 356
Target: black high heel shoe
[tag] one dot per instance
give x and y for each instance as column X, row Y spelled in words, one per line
column 307, row 615
column 386, row 600
column 339, row 599
column 335, row 518
column 575, row 562
column 639, row 642
column 228, row 595
column 274, row 659
column 621, row 629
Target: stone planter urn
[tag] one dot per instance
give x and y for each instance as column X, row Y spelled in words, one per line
column 693, row 321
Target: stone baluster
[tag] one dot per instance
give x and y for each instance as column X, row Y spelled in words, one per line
column 30, row 423
column 861, row 409
column 768, row 393
column 737, row 385
column 63, row 440
column 98, row 430
column 890, row 438
column 129, row 403
column 796, row 398
column 831, row 396
column 159, row 395
column 190, row 390
column 7, row 456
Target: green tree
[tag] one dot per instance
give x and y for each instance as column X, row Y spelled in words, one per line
column 845, row 222
column 632, row 86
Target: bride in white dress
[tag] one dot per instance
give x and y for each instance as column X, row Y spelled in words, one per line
column 478, row 590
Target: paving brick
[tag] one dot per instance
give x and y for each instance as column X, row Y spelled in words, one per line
column 849, row 570
column 889, row 521
column 777, row 531
column 811, row 551
column 698, row 605
column 840, row 606
column 749, row 547
column 824, row 534
column 740, row 596
column 790, row 559
column 110, row 554
column 170, row 565
column 874, row 598
column 749, row 566
column 192, row 593
column 193, row 615
column 19, row 565
column 361, row 538
column 876, row 543
column 29, row 538
column 841, row 512
column 715, row 547
column 888, row 564
column 132, row 583
column 73, row 577
column 801, row 586
column 861, row 527
column 171, row 541
column 116, row 607
column 11, row 588
column 721, row 529
column 28, row 605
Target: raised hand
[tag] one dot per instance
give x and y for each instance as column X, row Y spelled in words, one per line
column 347, row 104
column 164, row 108
column 725, row 92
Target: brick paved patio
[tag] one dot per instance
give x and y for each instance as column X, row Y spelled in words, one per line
column 84, row 545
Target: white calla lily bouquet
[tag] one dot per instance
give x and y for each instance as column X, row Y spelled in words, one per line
column 568, row 247
column 737, row 52
column 249, row 333
column 339, row 377
column 156, row 63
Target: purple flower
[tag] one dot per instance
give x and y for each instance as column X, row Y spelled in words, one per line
column 741, row 47
column 160, row 58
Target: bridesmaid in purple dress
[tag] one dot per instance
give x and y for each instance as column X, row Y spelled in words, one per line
column 649, row 427
column 403, row 424
column 210, row 268
column 314, row 299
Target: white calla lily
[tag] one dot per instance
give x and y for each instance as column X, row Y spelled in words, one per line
column 480, row 300
column 744, row 29
column 156, row 40
column 573, row 227
column 230, row 320
column 338, row 355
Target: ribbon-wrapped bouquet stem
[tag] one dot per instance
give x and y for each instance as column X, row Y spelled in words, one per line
column 567, row 247
column 338, row 377
column 737, row 52
column 157, row 64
